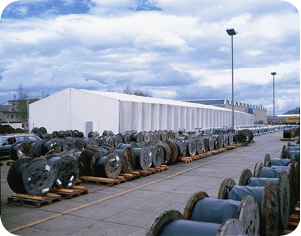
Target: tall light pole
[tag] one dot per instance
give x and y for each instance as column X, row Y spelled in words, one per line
column 232, row 32
column 273, row 74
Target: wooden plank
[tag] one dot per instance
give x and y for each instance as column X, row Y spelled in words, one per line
column 27, row 196
column 78, row 187
column 57, row 190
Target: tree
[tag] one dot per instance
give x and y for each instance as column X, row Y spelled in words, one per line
column 110, row 88
column 23, row 96
column 44, row 94
column 128, row 90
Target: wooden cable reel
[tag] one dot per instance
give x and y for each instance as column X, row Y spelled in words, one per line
column 283, row 190
column 202, row 208
column 268, row 204
column 128, row 158
column 69, row 144
column 167, row 151
column 157, row 155
column 126, row 137
column 199, row 144
column 49, row 145
column 108, row 166
column 173, row 223
column 31, row 176
column 65, row 169
column 117, row 139
column 174, row 152
column 191, row 147
column 37, row 149
column 84, row 161
column 260, row 172
column 20, row 150
column 226, row 140
column 80, row 143
column 143, row 157
column 95, row 141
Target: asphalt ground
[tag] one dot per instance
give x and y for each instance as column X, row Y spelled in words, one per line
column 129, row 208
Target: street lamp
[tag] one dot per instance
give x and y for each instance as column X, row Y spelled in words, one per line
column 273, row 74
column 232, row 32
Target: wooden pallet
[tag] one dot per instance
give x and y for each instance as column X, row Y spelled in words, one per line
column 203, row 155
column 186, row 160
column 145, row 172
column 99, row 180
column 75, row 191
column 36, row 201
column 286, row 139
column 293, row 222
column 78, row 182
column 159, row 169
column 196, row 157
column 127, row 177
column 10, row 162
column 231, row 147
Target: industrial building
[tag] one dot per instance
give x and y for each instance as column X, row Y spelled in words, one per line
column 84, row 110
column 260, row 112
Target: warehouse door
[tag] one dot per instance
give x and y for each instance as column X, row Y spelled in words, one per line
column 89, row 127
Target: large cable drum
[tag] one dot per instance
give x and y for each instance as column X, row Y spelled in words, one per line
column 50, row 145
column 200, row 207
column 31, row 176
column 126, row 137
column 117, row 139
column 173, row 223
column 167, row 151
column 143, row 157
column 69, row 144
column 199, row 144
column 66, row 170
column 20, row 150
column 157, row 155
column 108, row 166
column 95, row 141
column 127, row 157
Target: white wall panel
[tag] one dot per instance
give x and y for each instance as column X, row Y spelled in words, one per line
column 146, row 117
column 163, row 116
column 170, row 117
column 177, row 118
column 155, row 116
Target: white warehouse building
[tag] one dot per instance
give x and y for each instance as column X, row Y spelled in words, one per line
column 85, row 110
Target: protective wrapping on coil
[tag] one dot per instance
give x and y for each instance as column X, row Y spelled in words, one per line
column 214, row 210
column 239, row 192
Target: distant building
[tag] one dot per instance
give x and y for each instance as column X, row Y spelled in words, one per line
column 14, row 114
column 293, row 111
column 284, row 119
column 260, row 113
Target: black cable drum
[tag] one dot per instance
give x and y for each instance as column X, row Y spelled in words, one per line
column 66, row 170
column 143, row 157
column 128, row 158
column 34, row 177
column 108, row 166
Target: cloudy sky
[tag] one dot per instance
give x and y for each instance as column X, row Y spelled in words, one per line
column 176, row 49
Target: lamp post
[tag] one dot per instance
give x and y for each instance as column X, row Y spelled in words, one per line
column 232, row 32
column 273, row 74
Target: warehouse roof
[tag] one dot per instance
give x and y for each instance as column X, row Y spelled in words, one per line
column 135, row 98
